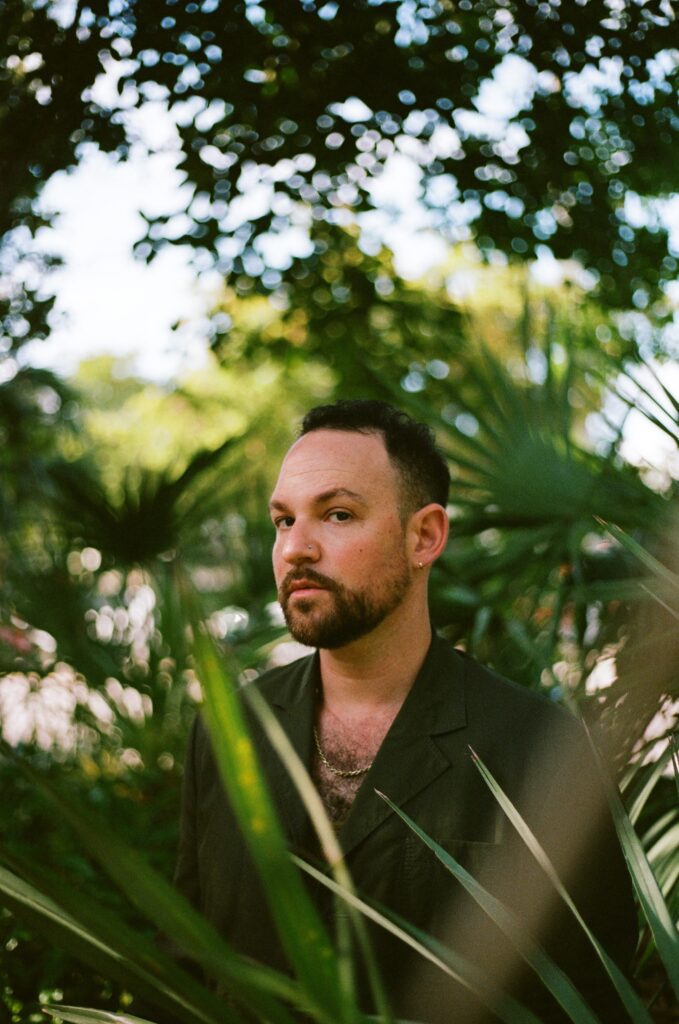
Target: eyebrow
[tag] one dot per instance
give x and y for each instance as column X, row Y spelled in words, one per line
column 320, row 499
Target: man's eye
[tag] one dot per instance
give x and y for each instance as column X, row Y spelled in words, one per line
column 283, row 522
column 339, row 516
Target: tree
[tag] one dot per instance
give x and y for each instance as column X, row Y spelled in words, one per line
column 46, row 70
column 312, row 101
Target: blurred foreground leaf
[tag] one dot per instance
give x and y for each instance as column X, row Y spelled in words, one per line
column 552, row 976
column 631, row 1001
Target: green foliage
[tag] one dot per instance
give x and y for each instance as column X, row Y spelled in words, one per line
column 298, row 923
column 74, row 1015
column 324, row 992
column 554, row 979
column 286, row 71
column 346, row 311
column 84, row 562
column 259, row 93
column 130, row 478
column 463, row 971
column 631, row 1002
column 46, row 112
column 106, row 482
column 254, row 987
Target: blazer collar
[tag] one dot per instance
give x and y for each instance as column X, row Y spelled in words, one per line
column 291, row 692
column 409, row 758
column 293, row 686
column 434, row 705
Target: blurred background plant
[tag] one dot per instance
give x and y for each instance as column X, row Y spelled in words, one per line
column 540, row 348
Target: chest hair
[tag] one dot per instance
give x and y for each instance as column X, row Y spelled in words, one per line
column 347, row 750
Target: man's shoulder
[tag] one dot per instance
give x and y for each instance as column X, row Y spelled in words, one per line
column 485, row 679
column 530, row 743
column 495, row 698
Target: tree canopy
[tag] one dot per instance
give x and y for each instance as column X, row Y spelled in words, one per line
column 531, row 123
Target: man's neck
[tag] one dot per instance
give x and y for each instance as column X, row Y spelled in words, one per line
column 377, row 671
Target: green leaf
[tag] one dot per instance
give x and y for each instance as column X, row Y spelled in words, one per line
column 24, row 893
column 91, row 932
column 663, row 855
column 258, row 988
column 456, row 967
column 675, row 760
column 522, row 638
column 637, row 801
column 649, row 367
column 660, row 418
column 332, row 851
column 299, row 926
column 645, row 883
column 80, row 1015
column 657, row 568
column 552, row 976
column 632, row 1003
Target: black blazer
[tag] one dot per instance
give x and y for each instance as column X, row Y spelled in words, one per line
column 539, row 755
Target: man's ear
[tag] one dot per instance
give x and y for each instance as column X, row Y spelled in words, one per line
column 428, row 534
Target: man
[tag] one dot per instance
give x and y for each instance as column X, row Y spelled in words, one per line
column 359, row 517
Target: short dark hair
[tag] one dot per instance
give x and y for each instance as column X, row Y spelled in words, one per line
column 424, row 472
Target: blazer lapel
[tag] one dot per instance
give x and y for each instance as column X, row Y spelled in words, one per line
column 409, row 759
column 292, row 700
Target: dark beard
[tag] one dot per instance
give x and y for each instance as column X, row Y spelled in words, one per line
column 353, row 615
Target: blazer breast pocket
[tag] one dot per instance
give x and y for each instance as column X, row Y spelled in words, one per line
column 474, row 855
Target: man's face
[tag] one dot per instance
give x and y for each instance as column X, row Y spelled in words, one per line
column 339, row 557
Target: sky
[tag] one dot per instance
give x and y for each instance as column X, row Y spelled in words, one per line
column 107, row 302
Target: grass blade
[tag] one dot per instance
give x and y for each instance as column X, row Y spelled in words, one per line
column 146, row 971
column 456, row 967
column 258, row 988
column 675, row 760
column 299, row 926
column 332, row 851
column 657, row 568
column 646, row 885
column 552, row 976
column 135, row 960
column 667, row 425
column 80, row 1015
column 658, row 599
column 671, row 398
column 631, row 1001
column 637, row 802
column 663, row 855
column 18, row 895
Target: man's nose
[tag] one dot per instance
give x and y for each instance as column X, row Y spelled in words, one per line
column 299, row 545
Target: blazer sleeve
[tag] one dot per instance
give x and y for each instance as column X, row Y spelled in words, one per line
column 186, row 876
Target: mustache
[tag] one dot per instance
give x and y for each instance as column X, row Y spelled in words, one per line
column 295, row 575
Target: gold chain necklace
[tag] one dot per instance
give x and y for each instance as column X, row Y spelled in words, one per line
column 341, row 772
